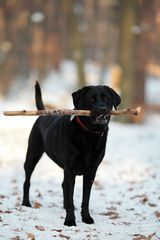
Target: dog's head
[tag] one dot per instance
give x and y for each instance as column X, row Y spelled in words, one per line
column 98, row 99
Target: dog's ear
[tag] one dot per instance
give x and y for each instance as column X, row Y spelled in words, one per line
column 116, row 98
column 78, row 97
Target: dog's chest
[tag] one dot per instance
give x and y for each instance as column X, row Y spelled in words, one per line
column 88, row 156
column 83, row 164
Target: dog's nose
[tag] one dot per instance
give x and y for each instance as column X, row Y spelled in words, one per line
column 102, row 110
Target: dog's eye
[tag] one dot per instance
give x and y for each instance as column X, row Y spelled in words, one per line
column 93, row 99
column 105, row 98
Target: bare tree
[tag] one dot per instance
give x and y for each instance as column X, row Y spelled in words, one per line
column 133, row 49
column 74, row 11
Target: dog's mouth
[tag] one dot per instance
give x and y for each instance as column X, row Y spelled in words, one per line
column 101, row 119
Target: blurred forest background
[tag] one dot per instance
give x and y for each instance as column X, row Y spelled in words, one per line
column 112, row 42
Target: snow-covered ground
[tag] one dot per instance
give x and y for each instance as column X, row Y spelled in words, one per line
column 125, row 200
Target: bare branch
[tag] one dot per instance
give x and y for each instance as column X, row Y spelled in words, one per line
column 134, row 111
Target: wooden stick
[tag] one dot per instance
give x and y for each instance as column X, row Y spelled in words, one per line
column 134, row 111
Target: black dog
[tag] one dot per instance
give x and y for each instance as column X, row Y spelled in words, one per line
column 77, row 145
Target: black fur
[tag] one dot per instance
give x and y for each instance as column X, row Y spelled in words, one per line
column 77, row 145
column 38, row 97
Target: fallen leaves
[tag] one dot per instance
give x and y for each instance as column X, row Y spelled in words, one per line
column 6, row 211
column 144, row 200
column 15, row 238
column 37, row 205
column 60, row 233
column 57, row 230
column 31, row 236
column 40, row 228
column 63, row 236
column 17, row 230
column 2, row 196
column 157, row 214
column 127, row 223
column 152, row 204
column 98, row 185
column 111, row 214
column 142, row 237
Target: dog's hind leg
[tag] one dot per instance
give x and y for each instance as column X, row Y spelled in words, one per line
column 68, row 185
column 64, row 197
column 34, row 153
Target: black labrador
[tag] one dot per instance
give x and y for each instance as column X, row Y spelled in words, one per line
column 76, row 144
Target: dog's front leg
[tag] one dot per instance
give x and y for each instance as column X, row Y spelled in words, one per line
column 68, row 185
column 87, row 185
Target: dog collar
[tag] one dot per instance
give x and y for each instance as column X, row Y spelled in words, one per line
column 87, row 129
column 81, row 124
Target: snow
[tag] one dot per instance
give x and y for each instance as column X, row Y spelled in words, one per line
column 152, row 89
column 125, row 196
column 125, row 199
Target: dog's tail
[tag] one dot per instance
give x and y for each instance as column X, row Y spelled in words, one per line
column 38, row 97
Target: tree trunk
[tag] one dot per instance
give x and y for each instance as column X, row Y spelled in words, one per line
column 75, row 38
column 143, row 50
column 135, row 19
column 129, row 11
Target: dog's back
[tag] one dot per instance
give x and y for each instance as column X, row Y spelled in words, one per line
column 49, row 129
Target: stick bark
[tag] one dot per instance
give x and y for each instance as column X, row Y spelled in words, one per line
column 132, row 111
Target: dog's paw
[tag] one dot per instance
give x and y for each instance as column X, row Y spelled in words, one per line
column 70, row 222
column 26, row 204
column 88, row 220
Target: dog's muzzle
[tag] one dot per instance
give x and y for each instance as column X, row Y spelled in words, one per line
column 100, row 115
